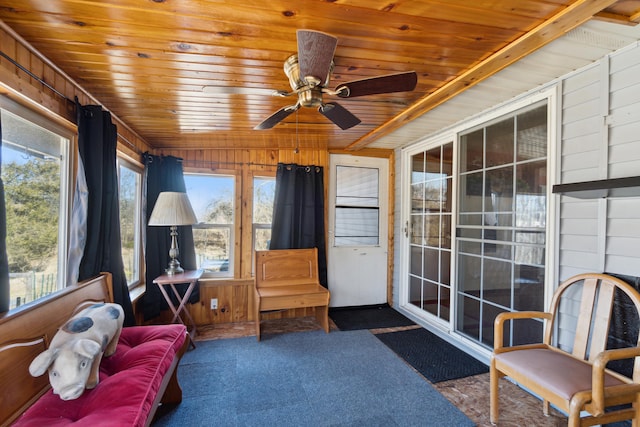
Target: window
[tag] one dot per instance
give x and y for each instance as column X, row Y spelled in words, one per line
column 213, row 200
column 264, row 189
column 35, row 172
column 357, row 206
column 129, row 183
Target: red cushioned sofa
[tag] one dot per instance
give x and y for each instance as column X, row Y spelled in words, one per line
column 134, row 381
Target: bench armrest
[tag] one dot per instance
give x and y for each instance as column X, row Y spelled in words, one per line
column 498, row 326
column 597, row 376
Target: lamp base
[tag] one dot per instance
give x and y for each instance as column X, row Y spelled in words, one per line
column 174, row 267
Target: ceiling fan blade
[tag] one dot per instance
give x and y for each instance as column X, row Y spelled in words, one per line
column 239, row 90
column 401, row 82
column 277, row 117
column 338, row 115
column 315, row 55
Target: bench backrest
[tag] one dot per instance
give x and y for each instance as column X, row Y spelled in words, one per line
column 285, row 267
column 27, row 331
column 583, row 311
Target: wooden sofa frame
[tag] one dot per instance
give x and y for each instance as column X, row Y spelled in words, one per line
column 288, row 279
column 573, row 375
column 26, row 332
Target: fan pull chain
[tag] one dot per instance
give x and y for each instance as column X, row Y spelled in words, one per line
column 297, row 150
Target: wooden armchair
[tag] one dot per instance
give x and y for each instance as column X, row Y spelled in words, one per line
column 569, row 368
column 288, row 279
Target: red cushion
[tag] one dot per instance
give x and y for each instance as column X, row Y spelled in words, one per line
column 129, row 383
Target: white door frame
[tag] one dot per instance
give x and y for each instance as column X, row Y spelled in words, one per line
column 358, row 275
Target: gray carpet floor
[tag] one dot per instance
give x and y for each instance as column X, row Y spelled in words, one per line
column 345, row 378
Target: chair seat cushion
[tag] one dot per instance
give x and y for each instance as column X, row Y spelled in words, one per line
column 129, row 382
column 557, row 372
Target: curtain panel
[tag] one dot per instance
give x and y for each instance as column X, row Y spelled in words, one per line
column 164, row 173
column 97, row 142
column 298, row 212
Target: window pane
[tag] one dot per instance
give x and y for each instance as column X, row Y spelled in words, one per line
column 357, row 213
column 129, row 191
column 212, row 248
column 264, row 190
column 262, row 239
column 357, row 186
column 32, row 165
column 212, row 198
column 355, row 226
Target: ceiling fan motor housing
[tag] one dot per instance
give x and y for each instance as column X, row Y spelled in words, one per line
column 292, row 70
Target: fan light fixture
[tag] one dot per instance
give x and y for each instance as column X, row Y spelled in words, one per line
column 173, row 209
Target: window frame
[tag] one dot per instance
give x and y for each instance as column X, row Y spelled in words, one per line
column 123, row 161
column 235, row 227
column 254, row 225
column 68, row 173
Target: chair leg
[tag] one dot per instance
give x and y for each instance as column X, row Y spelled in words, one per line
column 322, row 315
column 257, row 318
column 636, row 419
column 494, row 378
column 545, row 407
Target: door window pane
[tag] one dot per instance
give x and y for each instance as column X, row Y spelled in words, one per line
column 357, row 206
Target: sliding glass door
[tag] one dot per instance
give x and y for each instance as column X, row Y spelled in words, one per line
column 486, row 187
column 501, row 223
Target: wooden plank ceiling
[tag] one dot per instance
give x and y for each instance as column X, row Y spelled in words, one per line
column 194, row 73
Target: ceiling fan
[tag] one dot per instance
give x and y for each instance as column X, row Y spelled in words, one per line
column 309, row 72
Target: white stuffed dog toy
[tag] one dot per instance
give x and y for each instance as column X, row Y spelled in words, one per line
column 74, row 355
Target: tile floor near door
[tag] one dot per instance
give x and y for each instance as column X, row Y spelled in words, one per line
column 517, row 407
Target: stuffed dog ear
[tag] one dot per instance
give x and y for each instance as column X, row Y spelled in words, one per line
column 41, row 363
column 87, row 348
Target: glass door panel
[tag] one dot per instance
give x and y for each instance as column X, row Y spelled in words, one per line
column 430, row 231
column 501, row 224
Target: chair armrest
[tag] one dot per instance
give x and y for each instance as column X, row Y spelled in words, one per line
column 498, row 326
column 598, row 371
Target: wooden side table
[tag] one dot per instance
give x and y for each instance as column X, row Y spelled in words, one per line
column 170, row 280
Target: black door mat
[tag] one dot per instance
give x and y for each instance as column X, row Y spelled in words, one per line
column 433, row 357
column 368, row 317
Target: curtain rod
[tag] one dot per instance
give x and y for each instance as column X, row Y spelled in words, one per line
column 33, row 76
column 211, row 164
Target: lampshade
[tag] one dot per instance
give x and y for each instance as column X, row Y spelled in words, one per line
column 172, row 208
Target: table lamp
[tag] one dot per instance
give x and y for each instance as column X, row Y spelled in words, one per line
column 173, row 209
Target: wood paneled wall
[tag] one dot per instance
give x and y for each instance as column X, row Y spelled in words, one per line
column 236, row 296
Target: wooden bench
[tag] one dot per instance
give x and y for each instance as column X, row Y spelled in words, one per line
column 569, row 368
column 288, row 279
column 129, row 392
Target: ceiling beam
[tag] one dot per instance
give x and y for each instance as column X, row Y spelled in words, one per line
column 554, row 27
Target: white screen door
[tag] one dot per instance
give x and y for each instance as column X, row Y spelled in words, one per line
column 357, row 255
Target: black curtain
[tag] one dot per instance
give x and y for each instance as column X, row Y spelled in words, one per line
column 97, row 141
column 164, row 173
column 4, row 261
column 298, row 212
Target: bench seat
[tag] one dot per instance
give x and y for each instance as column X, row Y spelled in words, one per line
column 288, row 279
column 130, row 380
